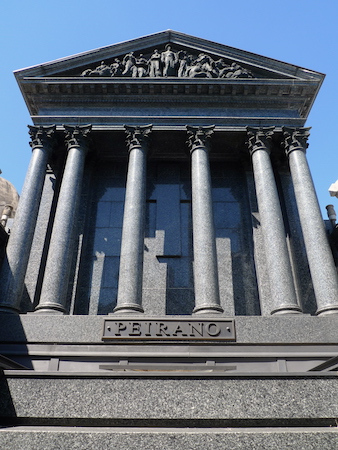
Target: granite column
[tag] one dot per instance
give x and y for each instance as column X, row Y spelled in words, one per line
column 207, row 299
column 276, row 251
column 322, row 268
column 129, row 297
column 15, row 264
column 56, row 278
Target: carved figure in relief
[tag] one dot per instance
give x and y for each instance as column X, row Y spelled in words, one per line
column 219, row 67
column 116, row 68
column 140, row 68
column 155, row 64
column 199, row 69
column 86, row 73
column 195, row 71
column 101, row 71
column 169, row 63
column 184, row 61
column 129, row 62
column 235, row 71
column 206, row 64
column 220, row 64
column 169, row 60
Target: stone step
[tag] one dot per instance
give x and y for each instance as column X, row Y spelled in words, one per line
column 28, row 394
column 47, row 437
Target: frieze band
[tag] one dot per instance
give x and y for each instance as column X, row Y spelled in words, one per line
column 168, row 63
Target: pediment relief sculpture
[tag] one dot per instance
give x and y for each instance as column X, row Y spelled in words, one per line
column 168, row 63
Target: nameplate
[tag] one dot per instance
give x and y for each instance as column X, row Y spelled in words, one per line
column 159, row 329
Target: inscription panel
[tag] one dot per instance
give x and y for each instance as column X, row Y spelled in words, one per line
column 191, row 329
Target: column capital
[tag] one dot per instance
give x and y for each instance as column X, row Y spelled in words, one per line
column 259, row 138
column 42, row 137
column 199, row 137
column 138, row 136
column 77, row 136
column 295, row 139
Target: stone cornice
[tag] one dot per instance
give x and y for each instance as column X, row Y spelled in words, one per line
column 168, row 122
column 243, row 93
column 165, row 81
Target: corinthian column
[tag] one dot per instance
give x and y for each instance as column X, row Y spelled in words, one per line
column 279, row 267
column 207, row 298
column 56, row 278
column 129, row 297
column 322, row 268
column 14, row 266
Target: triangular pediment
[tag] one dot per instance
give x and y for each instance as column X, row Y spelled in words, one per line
column 169, row 54
column 178, row 79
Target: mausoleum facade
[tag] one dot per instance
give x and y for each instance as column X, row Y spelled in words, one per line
column 168, row 277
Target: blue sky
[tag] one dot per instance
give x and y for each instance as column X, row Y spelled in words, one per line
column 300, row 32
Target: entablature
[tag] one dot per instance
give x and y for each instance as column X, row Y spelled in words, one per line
column 166, row 98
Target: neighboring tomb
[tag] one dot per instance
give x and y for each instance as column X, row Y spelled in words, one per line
column 9, row 199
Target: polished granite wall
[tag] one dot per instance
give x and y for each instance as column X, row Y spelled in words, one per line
column 168, row 261
column 168, row 257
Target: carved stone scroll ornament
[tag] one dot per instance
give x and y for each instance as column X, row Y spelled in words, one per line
column 42, row 136
column 199, row 137
column 295, row 139
column 168, row 63
column 77, row 136
column 137, row 136
column 259, row 138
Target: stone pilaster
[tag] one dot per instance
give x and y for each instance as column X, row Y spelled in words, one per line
column 282, row 287
column 56, row 278
column 129, row 297
column 14, row 266
column 207, row 298
column 322, row 268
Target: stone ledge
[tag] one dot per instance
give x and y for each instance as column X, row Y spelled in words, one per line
column 170, row 439
column 294, row 329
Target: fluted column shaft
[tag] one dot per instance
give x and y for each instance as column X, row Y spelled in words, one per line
column 129, row 297
column 207, row 299
column 15, row 264
column 57, row 271
column 322, row 268
column 278, row 261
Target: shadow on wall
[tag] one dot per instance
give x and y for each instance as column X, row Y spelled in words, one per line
column 11, row 332
column 3, row 243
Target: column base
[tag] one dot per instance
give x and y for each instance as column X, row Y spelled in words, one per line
column 131, row 308
column 328, row 311
column 208, row 309
column 50, row 308
column 8, row 310
column 286, row 310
